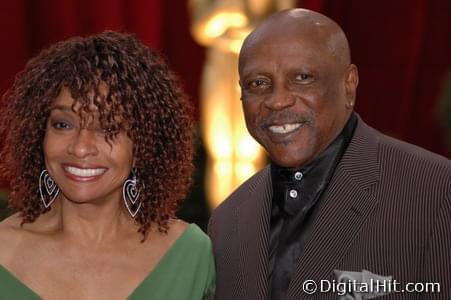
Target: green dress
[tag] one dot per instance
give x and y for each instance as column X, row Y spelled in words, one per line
column 186, row 271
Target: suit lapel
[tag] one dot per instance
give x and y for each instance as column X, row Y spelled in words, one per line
column 253, row 228
column 343, row 209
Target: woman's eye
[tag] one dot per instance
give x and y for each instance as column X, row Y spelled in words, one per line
column 106, row 131
column 61, row 125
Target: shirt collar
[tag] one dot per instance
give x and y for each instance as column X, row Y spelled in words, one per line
column 299, row 189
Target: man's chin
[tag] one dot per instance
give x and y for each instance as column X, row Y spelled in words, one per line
column 288, row 161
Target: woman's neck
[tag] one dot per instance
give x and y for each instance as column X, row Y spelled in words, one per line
column 90, row 223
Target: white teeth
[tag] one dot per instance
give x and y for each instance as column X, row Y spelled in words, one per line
column 286, row 128
column 84, row 172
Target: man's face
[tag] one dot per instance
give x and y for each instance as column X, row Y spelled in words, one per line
column 296, row 96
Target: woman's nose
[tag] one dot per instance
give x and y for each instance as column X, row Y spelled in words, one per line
column 84, row 143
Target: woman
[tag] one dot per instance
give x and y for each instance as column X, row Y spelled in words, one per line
column 98, row 150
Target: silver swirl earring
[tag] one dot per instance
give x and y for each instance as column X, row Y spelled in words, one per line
column 48, row 189
column 130, row 194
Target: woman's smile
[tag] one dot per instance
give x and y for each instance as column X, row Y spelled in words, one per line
column 83, row 173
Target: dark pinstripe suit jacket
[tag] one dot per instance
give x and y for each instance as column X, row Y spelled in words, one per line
column 387, row 209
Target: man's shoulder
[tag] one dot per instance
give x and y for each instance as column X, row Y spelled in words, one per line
column 405, row 162
column 393, row 149
column 242, row 193
column 401, row 151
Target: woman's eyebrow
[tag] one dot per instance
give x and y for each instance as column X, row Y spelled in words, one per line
column 62, row 107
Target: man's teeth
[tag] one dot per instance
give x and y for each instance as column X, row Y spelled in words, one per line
column 84, row 172
column 286, row 128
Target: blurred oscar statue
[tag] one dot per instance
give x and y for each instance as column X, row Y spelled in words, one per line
column 221, row 26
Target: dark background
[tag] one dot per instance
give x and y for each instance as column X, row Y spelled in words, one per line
column 402, row 49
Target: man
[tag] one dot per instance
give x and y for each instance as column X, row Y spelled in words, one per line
column 342, row 210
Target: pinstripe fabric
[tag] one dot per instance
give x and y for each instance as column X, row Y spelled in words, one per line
column 387, row 209
column 241, row 266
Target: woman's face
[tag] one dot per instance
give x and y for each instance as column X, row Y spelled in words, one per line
column 84, row 166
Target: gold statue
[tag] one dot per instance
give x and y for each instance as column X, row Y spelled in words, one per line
column 221, row 26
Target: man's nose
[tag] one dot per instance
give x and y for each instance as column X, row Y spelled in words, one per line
column 280, row 98
column 83, row 144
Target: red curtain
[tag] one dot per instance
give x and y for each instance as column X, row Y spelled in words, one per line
column 402, row 49
column 29, row 26
column 184, row 55
column 403, row 52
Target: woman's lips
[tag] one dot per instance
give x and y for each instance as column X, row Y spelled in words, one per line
column 83, row 173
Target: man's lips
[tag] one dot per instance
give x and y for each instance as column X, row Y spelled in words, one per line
column 284, row 128
column 284, row 131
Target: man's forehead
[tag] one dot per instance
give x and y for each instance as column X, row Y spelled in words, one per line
column 283, row 54
column 284, row 48
column 293, row 22
column 306, row 30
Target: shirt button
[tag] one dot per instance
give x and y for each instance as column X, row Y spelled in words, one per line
column 293, row 193
column 298, row 175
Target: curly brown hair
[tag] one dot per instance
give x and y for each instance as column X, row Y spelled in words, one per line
column 142, row 92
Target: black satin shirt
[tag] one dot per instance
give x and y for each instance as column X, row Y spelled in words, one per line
column 296, row 193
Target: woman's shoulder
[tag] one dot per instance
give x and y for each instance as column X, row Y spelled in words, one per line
column 10, row 225
column 193, row 236
column 13, row 226
column 187, row 234
column 177, row 227
column 11, row 233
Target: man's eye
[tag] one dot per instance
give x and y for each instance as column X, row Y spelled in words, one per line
column 258, row 82
column 304, row 77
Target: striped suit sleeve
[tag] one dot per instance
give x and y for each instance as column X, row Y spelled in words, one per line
column 438, row 252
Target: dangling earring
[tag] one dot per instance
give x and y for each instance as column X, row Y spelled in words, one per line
column 130, row 193
column 47, row 188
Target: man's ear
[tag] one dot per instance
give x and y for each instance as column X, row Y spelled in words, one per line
column 351, row 83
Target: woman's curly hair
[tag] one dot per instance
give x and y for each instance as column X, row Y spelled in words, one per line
column 141, row 92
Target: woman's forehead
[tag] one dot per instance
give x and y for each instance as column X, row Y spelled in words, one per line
column 89, row 111
column 66, row 103
column 87, row 103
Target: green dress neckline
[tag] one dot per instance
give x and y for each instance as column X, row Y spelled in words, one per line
column 10, row 280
